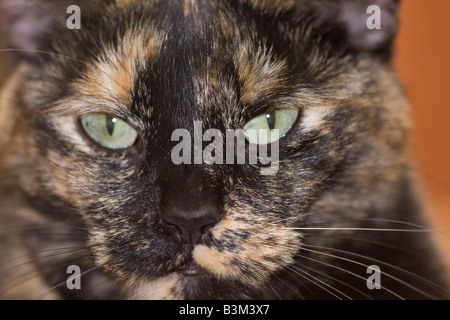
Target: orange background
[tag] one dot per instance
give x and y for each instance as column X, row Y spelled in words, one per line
column 423, row 62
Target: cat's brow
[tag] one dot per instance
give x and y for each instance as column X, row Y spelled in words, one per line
column 113, row 75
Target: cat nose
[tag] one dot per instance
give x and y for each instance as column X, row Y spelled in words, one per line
column 190, row 225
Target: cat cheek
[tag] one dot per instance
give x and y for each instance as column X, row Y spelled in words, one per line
column 253, row 259
column 231, row 264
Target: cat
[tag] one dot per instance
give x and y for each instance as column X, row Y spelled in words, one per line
column 87, row 177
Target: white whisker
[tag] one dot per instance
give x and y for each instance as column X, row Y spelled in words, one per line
column 321, row 284
column 42, row 295
column 382, row 272
column 348, row 272
column 359, row 229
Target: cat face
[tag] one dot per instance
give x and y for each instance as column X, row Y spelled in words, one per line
column 138, row 71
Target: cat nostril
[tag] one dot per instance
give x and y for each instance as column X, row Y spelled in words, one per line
column 172, row 230
column 190, row 226
column 205, row 229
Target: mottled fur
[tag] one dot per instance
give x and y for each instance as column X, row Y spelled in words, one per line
column 162, row 65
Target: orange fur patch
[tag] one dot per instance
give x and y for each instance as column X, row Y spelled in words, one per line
column 259, row 72
column 112, row 77
column 268, row 248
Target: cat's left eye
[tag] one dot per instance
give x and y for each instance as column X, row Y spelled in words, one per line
column 109, row 131
column 260, row 129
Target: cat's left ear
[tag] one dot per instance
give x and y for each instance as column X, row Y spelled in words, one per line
column 369, row 24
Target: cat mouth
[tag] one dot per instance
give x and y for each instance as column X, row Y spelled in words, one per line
column 190, row 269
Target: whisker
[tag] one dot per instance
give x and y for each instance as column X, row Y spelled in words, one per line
column 23, row 278
column 274, row 289
column 64, row 282
column 47, row 12
column 302, row 284
column 338, row 281
column 50, row 230
column 382, row 263
column 75, row 249
column 330, row 265
column 5, row 50
column 404, row 223
column 48, row 226
column 382, row 272
column 288, row 285
column 381, row 244
column 348, row 272
column 340, row 219
column 358, row 229
column 315, row 281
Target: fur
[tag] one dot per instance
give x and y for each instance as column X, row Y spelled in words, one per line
column 161, row 65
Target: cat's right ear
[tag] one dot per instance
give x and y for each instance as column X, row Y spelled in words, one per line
column 367, row 25
column 27, row 24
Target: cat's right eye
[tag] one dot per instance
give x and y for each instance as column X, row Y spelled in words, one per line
column 109, row 131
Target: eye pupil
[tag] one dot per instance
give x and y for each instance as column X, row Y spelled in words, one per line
column 271, row 119
column 110, row 124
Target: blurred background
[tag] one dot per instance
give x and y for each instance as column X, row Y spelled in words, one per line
column 423, row 63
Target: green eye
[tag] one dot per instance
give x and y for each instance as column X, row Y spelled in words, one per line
column 259, row 130
column 109, row 131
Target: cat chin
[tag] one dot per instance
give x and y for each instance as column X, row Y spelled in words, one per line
column 164, row 288
column 176, row 286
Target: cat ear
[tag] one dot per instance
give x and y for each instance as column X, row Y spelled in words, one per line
column 369, row 24
column 24, row 23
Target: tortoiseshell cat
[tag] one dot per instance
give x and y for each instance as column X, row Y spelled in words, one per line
column 87, row 117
